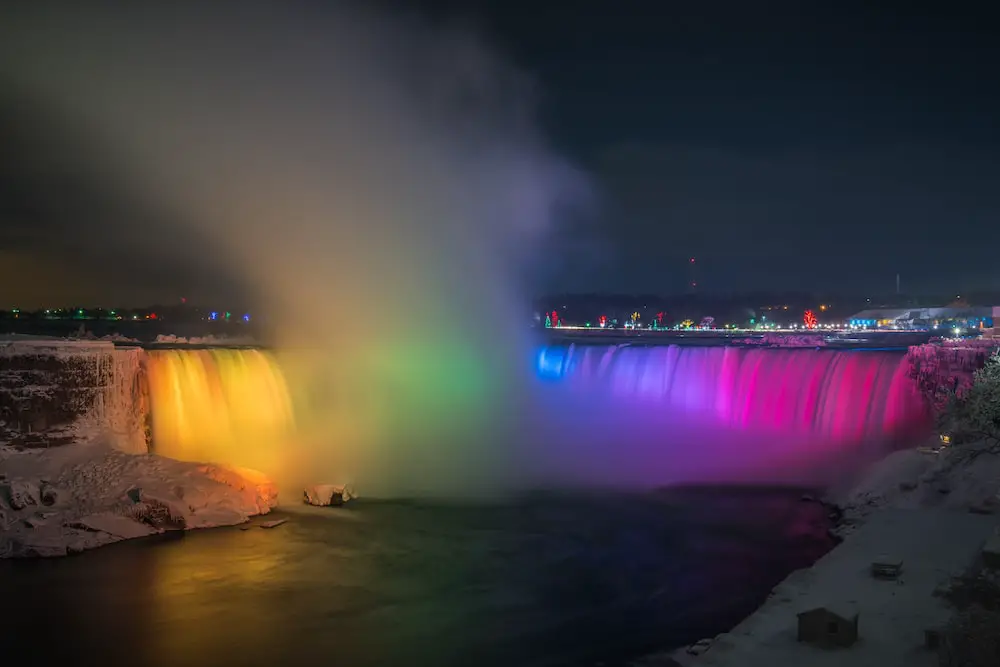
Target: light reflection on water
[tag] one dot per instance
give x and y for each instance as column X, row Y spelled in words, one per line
column 554, row 580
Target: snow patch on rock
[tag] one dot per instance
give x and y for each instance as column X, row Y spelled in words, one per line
column 83, row 496
column 170, row 339
column 20, row 494
column 964, row 477
column 923, row 507
column 328, row 495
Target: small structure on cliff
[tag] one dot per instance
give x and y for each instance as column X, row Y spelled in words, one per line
column 887, row 567
column 829, row 627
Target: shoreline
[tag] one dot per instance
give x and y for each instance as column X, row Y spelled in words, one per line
column 932, row 509
column 68, row 499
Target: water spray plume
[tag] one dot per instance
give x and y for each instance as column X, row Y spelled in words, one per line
column 376, row 181
column 378, row 186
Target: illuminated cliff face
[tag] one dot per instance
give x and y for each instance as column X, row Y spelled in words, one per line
column 227, row 406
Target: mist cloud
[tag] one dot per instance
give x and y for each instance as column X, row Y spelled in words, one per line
column 377, row 182
column 252, row 127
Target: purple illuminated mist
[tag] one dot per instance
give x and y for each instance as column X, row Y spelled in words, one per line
column 656, row 415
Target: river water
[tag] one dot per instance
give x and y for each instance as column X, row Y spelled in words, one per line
column 548, row 580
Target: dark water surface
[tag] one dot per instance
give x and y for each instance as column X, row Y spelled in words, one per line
column 547, row 580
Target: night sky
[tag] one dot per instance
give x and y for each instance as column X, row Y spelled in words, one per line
column 823, row 145
column 815, row 146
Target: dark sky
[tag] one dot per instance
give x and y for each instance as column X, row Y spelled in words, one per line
column 822, row 145
column 788, row 145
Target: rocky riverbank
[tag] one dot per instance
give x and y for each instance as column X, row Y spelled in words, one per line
column 75, row 497
column 931, row 508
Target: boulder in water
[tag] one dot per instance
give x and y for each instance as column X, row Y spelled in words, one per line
column 328, row 495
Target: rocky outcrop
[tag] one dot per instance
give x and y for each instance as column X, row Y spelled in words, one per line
column 941, row 367
column 328, row 495
column 20, row 494
column 51, row 388
column 256, row 489
column 100, row 498
column 74, row 443
column 160, row 513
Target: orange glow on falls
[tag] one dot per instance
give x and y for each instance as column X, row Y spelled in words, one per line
column 220, row 405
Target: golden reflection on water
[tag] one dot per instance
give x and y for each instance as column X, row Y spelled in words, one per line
column 255, row 582
column 195, row 587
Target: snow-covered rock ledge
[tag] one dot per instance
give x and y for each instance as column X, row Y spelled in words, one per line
column 221, row 341
column 932, row 508
column 963, row 478
column 82, row 496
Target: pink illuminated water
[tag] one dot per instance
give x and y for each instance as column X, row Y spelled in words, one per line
column 686, row 413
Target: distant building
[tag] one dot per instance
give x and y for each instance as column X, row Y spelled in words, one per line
column 829, row 627
column 969, row 317
column 994, row 332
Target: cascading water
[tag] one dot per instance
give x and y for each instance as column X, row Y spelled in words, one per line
column 662, row 414
column 223, row 405
column 844, row 395
column 619, row 415
column 245, row 407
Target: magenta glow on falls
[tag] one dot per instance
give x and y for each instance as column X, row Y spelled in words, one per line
column 686, row 413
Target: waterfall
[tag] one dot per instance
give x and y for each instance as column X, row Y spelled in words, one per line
column 223, row 405
column 662, row 414
column 619, row 414
column 836, row 394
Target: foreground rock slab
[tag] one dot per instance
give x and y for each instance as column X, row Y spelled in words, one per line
column 62, row 502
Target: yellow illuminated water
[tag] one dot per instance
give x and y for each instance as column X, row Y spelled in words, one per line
column 220, row 405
